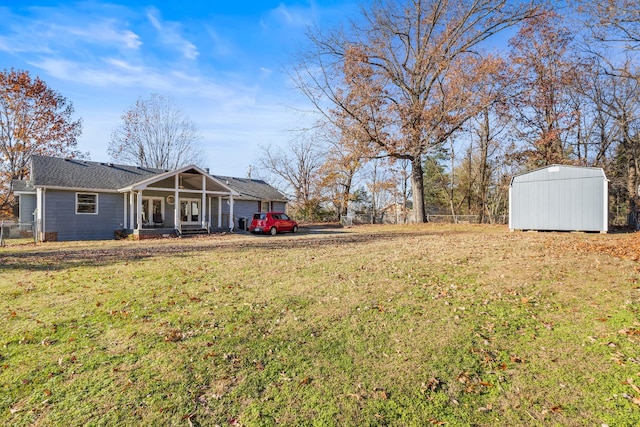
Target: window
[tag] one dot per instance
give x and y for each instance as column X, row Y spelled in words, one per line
column 264, row 206
column 86, row 203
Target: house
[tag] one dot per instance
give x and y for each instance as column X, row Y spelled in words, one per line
column 70, row 199
column 560, row 198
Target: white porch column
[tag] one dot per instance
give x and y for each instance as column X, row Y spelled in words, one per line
column 131, row 223
column 204, row 200
column 176, row 207
column 124, row 211
column 139, row 210
column 231, row 221
column 209, row 214
column 219, row 211
column 39, row 214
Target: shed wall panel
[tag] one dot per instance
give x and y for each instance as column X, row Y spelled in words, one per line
column 560, row 198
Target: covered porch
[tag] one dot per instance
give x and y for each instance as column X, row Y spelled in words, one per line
column 176, row 203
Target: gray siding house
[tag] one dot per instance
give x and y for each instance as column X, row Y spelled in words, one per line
column 560, row 198
column 69, row 199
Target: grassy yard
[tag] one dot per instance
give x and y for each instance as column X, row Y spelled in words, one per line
column 377, row 325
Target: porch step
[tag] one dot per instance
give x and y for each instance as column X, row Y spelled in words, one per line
column 193, row 230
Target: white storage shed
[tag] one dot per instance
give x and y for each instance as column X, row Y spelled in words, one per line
column 560, row 198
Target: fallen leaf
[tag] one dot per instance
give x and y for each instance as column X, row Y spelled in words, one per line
column 516, row 359
column 305, row 381
column 463, row 377
column 174, row 335
column 432, row 384
column 630, row 383
column 382, row 395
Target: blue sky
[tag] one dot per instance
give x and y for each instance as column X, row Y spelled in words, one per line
column 223, row 62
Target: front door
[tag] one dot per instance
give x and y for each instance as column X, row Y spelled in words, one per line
column 190, row 211
column 152, row 210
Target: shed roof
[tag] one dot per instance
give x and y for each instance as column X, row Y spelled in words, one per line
column 559, row 172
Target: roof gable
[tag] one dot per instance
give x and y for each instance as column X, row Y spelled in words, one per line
column 559, row 172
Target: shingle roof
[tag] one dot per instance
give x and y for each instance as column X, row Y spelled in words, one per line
column 69, row 173
column 56, row 172
column 255, row 189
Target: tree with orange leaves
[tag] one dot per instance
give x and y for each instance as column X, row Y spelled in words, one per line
column 34, row 120
column 548, row 73
column 403, row 77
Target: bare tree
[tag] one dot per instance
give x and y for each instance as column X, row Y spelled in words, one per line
column 295, row 168
column 341, row 164
column 155, row 133
column 616, row 21
column 623, row 106
column 402, row 76
column 615, row 28
column 34, row 119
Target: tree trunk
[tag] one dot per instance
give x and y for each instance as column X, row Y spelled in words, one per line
column 346, row 192
column 417, row 183
column 485, row 136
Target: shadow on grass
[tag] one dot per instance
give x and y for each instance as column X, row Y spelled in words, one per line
column 51, row 259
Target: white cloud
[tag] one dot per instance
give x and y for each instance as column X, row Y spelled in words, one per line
column 292, row 16
column 107, row 32
column 265, row 72
column 59, row 30
column 221, row 46
column 169, row 34
column 120, row 74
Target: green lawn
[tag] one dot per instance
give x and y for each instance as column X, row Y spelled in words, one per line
column 378, row 325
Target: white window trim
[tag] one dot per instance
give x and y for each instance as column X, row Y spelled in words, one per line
column 88, row 194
